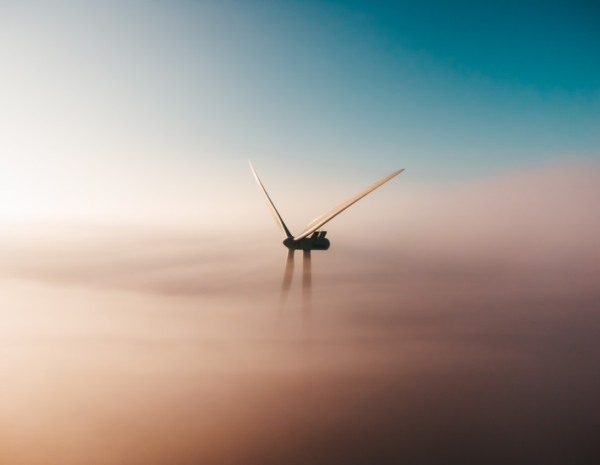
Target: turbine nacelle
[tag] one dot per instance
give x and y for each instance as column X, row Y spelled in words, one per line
column 316, row 241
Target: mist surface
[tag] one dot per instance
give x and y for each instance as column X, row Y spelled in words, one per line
column 454, row 326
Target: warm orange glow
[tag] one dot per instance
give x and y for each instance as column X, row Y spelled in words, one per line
column 138, row 345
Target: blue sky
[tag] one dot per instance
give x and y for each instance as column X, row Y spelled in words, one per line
column 128, row 91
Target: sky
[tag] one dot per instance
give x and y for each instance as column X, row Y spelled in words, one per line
column 455, row 316
column 109, row 107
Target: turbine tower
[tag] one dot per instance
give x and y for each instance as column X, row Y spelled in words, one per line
column 316, row 241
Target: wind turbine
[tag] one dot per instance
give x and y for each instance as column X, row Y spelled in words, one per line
column 316, row 241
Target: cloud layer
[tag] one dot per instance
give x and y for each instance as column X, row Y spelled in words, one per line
column 460, row 328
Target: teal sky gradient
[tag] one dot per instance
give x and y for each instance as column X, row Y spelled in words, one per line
column 103, row 94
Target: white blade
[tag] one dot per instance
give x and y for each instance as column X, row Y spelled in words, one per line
column 321, row 220
column 276, row 214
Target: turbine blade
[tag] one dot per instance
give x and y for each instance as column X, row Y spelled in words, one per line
column 276, row 214
column 306, row 294
column 288, row 274
column 321, row 220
